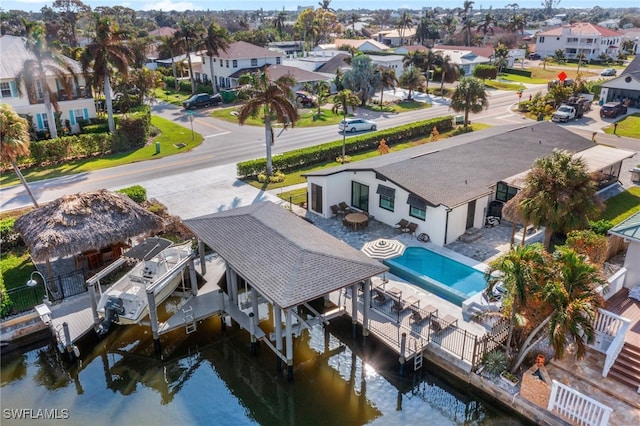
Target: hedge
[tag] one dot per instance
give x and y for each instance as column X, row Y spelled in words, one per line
column 518, row 72
column 297, row 159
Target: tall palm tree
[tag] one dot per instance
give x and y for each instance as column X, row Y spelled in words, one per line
column 279, row 21
column 486, row 26
column 107, row 53
column 341, row 103
column 559, row 195
column 416, row 58
column 170, row 46
column 189, row 34
column 469, row 96
column 216, row 40
column 14, row 142
column 44, row 61
column 270, row 100
column 387, row 79
column 432, row 60
column 450, row 72
column 404, row 23
column 411, row 79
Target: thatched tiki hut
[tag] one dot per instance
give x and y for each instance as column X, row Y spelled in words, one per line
column 83, row 222
column 512, row 212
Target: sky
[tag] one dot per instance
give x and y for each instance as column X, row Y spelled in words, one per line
column 180, row 5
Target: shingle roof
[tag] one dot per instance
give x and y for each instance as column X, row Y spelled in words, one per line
column 288, row 260
column 454, row 171
column 338, row 61
column 628, row 228
column 277, row 71
column 584, row 29
column 244, row 50
column 14, row 54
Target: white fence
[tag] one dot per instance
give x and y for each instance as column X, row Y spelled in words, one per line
column 576, row 407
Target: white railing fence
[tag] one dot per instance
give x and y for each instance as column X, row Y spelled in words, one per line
column 610, row 332
column 577, row 407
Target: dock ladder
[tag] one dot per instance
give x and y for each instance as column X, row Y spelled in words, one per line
column 189, row 322
column 419, row 353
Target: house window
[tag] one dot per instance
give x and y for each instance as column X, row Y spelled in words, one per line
column 541, row 40
column 235, row 63
column 254, row 62
column 278, row 60
column 316, row 198
column 6, row 89
column 38, row 89
column 505, row 192
column 77, row 115
column 417, row 207
column 43, row 121
column 387, row 197
column 360, row 196
column 227, row 63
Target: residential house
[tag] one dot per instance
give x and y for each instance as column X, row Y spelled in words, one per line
column 393, row 62
column 624, row 88
column 74, row 100
column 366, row 45
column 589, row 39
column 182, row 66
column 629, row 229
column 392, row 37
column 465, row 59
column 447, row 187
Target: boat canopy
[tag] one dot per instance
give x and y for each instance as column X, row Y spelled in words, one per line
column 148, row 249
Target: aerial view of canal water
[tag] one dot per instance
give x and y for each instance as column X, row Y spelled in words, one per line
column 211, row 377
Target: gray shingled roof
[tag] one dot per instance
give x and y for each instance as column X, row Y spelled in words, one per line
column 14, row 55
column 454, row 171
column 277, row 71
column 628, row 228
column 288, row 260
column 244, row 50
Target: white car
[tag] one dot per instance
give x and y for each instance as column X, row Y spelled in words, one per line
column 356, row 125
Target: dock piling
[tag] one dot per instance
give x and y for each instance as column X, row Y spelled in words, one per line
column 354, row 309
column 278, row 328
column 367, row 305
column 289, row 344
column 252, row 332
column 203, row 260
column 67, row 339
column 94, row 303
column 193, row 278
column 403, row 348
column 153, row 316
column 223, row 323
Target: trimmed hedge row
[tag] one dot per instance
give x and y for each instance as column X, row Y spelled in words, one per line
column 297, row 159
column 518, row 72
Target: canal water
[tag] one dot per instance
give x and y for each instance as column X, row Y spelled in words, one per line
column 210, row 377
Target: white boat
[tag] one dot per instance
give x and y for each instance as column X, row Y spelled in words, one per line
column 159, row 269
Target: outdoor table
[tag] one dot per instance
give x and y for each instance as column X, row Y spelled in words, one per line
column 356, row 219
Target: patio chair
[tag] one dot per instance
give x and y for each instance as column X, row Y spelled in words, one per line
column 380, row 296
column 335, row 210
column 344, row 207
column 346, row 224
column 410, row 229
column 419, row 315
column 438, row 325
column 401, row 225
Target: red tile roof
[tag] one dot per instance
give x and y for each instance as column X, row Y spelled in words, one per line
column 584, row 29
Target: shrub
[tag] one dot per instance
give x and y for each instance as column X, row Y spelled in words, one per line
column 132, row 131
column 589, row 243
column 136, row 192
column 484, row 71
column 516, row 71
column 5, row 302
column 495, row 362
column 276, row 177
column 70, row 147
column 9, row 238
column 601, row 227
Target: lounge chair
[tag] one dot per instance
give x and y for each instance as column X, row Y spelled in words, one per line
column 344, row 208
column 335, row 210
column 438, row 325
column 380, row 296
column 418, row 315
column 410, row 229
column 401, row 225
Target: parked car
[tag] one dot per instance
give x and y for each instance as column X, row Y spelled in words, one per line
column 202, row 100
column 608, row 72
column 306, row 99
column 356, row 125
column 534, row 57
column 612, row 110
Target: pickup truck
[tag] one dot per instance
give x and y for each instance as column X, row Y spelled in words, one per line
column 564, row 113
column 202, row 100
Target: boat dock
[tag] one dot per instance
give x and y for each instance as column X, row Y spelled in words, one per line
column 75, row 312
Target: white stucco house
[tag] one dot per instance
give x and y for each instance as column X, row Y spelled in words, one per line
column 624, row 88
column 629, row 230
column 589, row 39
column 75, row 103
column 449, row 186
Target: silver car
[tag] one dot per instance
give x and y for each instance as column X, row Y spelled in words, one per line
column 356, row 125
column 608, row 72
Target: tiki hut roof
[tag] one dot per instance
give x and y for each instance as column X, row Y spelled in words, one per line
column 81, row 222
column 511, row 210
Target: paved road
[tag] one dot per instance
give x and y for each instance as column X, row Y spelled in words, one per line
column 211, row 166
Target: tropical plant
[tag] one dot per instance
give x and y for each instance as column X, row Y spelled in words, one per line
column 469, row 96
column 361, row 78
column 467, row 20
column 341, row 103
column 189, row 34
column 500, row 55
column 560, row 195
column 432, row 60
column 412, row 79
column 106, row 53
column 484, row 71
column 170, row 46
column 44, row 61
column 279, row 21
column 559, row 56
column 404, row 23
column 14, row 142
column 589, row 243
column 387, row 80
column 495, row 362
column 487, row 25
column 216, row 40
column 269, row 99
column 450, row 72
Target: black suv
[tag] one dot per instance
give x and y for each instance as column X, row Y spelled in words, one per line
column 534, row 57
column 202, row 100
column 612, row 110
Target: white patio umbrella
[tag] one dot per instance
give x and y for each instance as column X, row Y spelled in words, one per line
column 383, row 249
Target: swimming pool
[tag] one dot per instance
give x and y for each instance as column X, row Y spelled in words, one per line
column 438, row 274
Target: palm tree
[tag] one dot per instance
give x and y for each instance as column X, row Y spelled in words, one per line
column 170, row 46
column 189, row 34
column 500, row 55
column 341, row 102
column 106, row 53
column 404, row 23
column 387, row 79
column 14, row 142
column 324, row 5
column 416, row 58
column 217, row 40
column 269, row 99
column 559, row 195
column 34, row 72
column 469, row 96
column 279, row 21
column 450, row 73
column 411, row 79
column 486, row 26
column 432, row 60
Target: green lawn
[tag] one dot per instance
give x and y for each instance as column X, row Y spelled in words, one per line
column 170, row 138
column 308, row 117
column 629, row 126
column 171, row 96
column 622, row 206
column 16, row 267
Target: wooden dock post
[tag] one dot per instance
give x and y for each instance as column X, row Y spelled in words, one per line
column 193, row 278
column 254, row 319
column 278, row 327
column 252, row 332
column 94, row 303
column 354, row 310
column 366, row 307
column 67, row 339
column 203, row 261
column 289, row 344
column 153, row 316
column 403, row 348
column 223, row 323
